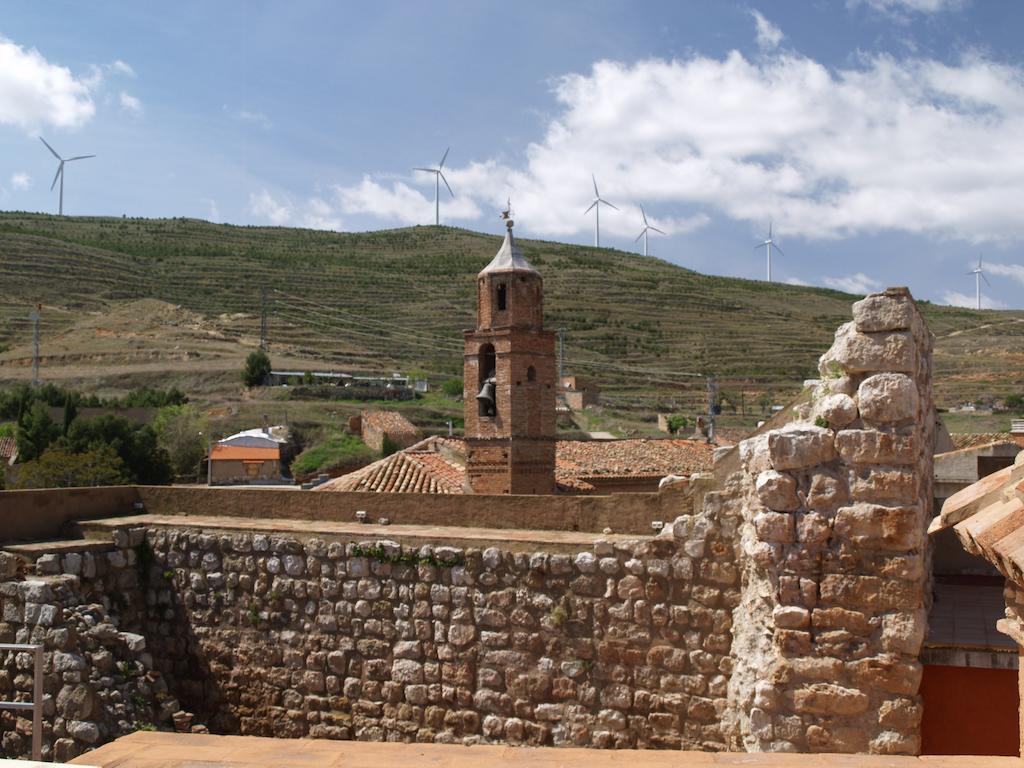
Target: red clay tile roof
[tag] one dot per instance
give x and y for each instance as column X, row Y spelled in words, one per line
column 974, row 440
column 8, row 447
column 429, row 466
column 437, row 464
column 391, row 422
column 638, row 457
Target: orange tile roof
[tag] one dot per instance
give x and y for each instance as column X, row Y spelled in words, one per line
column 421, row 468
column 437, row 464
column 242, row 453
column 8, row 447
column 977, row 439
column 391, row 422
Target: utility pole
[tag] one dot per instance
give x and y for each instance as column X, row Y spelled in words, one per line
column 561, row 356
column 263, row 317
column 712, row 404
column 35, row 344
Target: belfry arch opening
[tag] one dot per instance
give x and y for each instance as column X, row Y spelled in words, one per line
column 487, row 397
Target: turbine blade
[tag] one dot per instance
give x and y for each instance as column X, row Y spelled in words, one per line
column 80, row 157
column 596, row 193
column 446, row 183
column 591, row 206
column 655, row 229
column 50, row 148
column 640, row 235
column 985, row 279
column 779, row 249
column 644, row 215
column 426, row 170
column 761, row 245
column 609, row 204
column 56, row 176
column 443, row 158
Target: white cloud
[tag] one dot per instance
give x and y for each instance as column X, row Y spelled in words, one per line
column 768, row 35
column 956, row 299
column 249, row 116
column 316, row 213
column 212, row 211
column 858, row 283
column 796, row 281
column 20, row 181
column 899, row 7
column 1012, row 271
column 130, row 103
column 907, row 145
column 36, row 93
column 400, row 202
column 121, row 68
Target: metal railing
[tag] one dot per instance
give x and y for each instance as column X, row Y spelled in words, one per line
column 36, row 705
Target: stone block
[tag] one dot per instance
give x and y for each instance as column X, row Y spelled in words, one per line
column 827, row 491
column 894, row 743
column 884, row 312
column 866, row 446
column 800, row 446
column 887, row 672
column 871, row 592
column 791, row 617
column 407, row 672
column 888, row 397
column 777, row 491
column 774, row 526
column 900, row 714
column 840, row 618
column 904, row 632
column 883, row 484
column 829, row 699
column 855, row 352
column 880, row 527
column 837, row 409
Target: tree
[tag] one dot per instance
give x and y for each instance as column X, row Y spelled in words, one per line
column 1014, row 403
column 179, row 431
column 452, row 387
column 257, row 368
column 36, row 431
column 764, row 400
column 70, row 411
column 144, row 460
column 676, row 422
column 60, row 468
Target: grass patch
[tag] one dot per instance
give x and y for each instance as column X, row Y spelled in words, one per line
column 337, row 450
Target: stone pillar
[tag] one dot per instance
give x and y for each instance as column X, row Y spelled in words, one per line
column 835, row 560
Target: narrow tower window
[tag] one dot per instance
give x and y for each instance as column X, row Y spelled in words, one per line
column 487, row 397
column 531, row 374
column 501, row 298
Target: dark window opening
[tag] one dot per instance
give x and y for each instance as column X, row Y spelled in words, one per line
column 502, row 298
column 531, row 374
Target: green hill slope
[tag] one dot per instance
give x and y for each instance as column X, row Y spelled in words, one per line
column 399, row 299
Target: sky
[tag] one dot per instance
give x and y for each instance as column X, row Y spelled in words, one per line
column 881, row 139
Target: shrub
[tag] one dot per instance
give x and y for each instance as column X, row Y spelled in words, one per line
column 675, row 422
column 60, row 468
column 257, row 368
column 453, row 387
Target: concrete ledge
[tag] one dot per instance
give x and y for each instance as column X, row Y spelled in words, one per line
column 171, row 750
column 407, row 535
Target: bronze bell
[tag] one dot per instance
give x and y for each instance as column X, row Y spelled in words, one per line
column 486, row 397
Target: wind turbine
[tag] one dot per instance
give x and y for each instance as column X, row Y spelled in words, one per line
column 438, row 178
column 979, row 275
column 647, row 228
column 769, row 243
column 60, row 172
column 596, row 205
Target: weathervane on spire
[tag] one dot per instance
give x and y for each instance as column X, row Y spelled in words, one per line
column 507, row 214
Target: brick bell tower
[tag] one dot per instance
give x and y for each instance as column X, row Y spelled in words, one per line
column 509, row 375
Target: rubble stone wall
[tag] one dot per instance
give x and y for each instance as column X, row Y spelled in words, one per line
column 834, row 555
column 623, row 645
column 99, row 680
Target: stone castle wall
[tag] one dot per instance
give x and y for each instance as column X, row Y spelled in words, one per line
column 624, row 645
column 835, row 561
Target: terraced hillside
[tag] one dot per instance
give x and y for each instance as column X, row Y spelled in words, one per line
column 645, row 329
